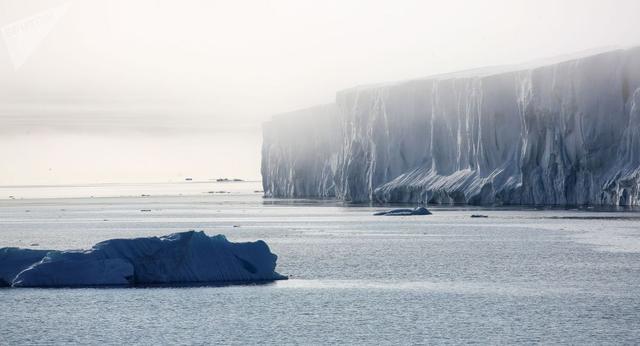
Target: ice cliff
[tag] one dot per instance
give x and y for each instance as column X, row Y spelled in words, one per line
column 560, row 133
column 186, row 257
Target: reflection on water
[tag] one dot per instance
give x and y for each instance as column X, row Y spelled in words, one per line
column 477, row 288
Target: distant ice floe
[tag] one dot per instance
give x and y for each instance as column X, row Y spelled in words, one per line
column 404, row 212
column 563, row 132
column 180, row 258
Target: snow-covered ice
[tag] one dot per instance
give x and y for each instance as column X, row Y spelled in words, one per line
column 563, row 132
column 185, row 257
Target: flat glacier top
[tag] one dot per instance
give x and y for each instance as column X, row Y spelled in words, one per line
column 498, row 69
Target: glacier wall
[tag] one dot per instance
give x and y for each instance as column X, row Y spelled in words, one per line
column 563, row 133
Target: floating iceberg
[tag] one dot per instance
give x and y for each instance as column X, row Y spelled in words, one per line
column 187, row 257
column 565, row 132
column 405, row 212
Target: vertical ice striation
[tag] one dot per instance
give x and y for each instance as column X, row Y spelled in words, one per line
column 301, row 148
column 566, row 133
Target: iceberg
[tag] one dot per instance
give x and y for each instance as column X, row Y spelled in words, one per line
column 404, row 212
column 179, row 258
column 562, row 132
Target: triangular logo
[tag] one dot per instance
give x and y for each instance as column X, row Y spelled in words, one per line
column 24, row 36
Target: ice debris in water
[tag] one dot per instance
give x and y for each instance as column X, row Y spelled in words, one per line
column 401, row 212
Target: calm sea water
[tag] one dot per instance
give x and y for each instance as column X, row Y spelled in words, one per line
column 518, row 276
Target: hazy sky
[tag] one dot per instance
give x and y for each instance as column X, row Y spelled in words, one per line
column 96, row 91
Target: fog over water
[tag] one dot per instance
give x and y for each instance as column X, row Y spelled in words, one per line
column 144, row 90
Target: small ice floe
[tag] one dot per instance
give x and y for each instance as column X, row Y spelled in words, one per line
column 404, row 212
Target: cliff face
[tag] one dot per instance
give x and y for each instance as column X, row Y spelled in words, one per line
column 561, row 134
column 299, row 153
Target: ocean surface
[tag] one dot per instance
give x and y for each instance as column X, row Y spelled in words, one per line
column 521, row 275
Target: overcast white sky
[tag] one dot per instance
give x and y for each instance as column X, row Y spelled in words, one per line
column 96, row 91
